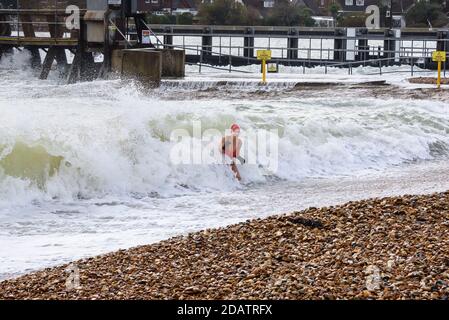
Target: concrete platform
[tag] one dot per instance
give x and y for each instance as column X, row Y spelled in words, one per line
column 141, row 64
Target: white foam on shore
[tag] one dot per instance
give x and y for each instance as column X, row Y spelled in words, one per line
column 394, row 75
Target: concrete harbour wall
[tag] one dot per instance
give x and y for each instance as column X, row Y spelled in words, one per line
column 149, row 66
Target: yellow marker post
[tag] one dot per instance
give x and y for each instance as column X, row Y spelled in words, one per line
column 439, row 56
column 264, row 55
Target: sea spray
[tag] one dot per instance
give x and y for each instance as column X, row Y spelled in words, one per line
column 114, row 139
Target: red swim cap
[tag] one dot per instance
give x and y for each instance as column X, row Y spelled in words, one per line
column 235, row 127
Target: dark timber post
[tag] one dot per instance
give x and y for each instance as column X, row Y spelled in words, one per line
column 206, row 42
column 292, row 44
column 56, row 31
column 363, row 48
column 5, row 30
column 5, row 26
column 140, row 25
column 74, row 72
column 442, row 37
column 340, row 45
column 168, row 38
column 86, row 62
column 248, row 43
column 389, row 46
column 28, row 31
column 75, row 69
column 107, row 50
column 442, row 42
column 61, row 59
column 48, row 61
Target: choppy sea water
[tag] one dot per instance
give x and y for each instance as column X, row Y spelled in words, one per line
column 86, row 168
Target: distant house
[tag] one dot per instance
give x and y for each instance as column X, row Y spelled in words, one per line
column 264, row 5
column 324, row 5
column 399, row 6
column 356, row 5
column 268, row 3
column 397, row 12
column 170, row 6
column 41, row 4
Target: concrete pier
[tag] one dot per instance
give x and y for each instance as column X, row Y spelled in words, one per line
column 145, row 65
column 149, row 66
column 101, row 30
column 173, row 63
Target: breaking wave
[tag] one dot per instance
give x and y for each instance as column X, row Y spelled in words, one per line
column 107, row 137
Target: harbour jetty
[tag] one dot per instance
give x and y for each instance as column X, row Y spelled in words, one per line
column 86, row 29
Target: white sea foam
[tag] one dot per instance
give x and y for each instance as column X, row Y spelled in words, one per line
column 114, row 140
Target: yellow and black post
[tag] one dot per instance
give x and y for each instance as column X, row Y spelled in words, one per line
column 439, row 57
column 264, row 56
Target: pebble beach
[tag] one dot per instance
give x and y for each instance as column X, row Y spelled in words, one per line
column 390, row 248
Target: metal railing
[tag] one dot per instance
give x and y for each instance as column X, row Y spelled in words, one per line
column 415, row 46
column 379, row 62
column 411, row 51
column 50, row 22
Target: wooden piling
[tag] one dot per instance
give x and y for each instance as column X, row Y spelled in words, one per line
column 248, row 43
column 363, row 47
column 339, row 45
column 389, row 46
column 168, row 39
column 206, row 44
column 28, row 31
column 5, row 30
column 107, row 50
column 292, row 44
column 48, row 62
column 74, row 72
column 61, row 59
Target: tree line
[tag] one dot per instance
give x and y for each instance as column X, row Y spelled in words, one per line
column 423, row 14
column 231, row 12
